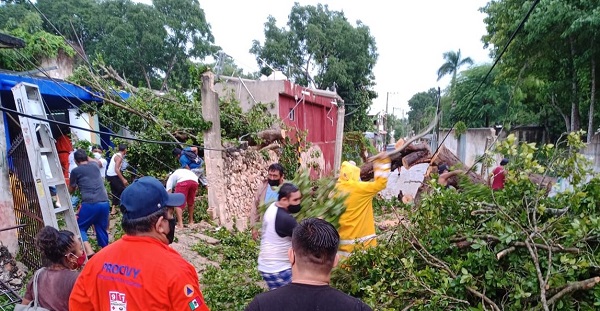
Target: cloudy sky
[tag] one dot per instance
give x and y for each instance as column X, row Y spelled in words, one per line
column 411, row 37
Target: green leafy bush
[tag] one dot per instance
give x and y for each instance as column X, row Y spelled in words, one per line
column 235, row 282
column 319, row 198
column 512, row 249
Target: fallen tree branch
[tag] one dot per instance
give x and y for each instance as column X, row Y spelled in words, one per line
column 571, row 287
column 505, row 252
column 112, row 73
column 483, row 212
column 538, row 272
column 436, row 262
column 491, row 238
column 272, row 146
column 126, row 108
column 410, row 141
column 410, row 305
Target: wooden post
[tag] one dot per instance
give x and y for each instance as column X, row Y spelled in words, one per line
column 8, row 238
column 213, row 153
column 339, row 139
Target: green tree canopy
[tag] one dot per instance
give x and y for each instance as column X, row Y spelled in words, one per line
column 39, row 44
column 557, row 47
column 320, row 46
column 149, row 45
column 422, row 109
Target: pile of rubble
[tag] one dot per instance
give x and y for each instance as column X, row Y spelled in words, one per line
column 13, row 273
column 244, row 171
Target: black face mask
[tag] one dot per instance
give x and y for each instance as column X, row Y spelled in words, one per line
column 273, row 182
column 171, row 234
column 294, row 208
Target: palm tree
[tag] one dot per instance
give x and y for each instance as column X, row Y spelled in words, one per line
column 452, row 64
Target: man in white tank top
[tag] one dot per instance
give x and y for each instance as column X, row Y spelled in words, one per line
column 115, row 177
column 276, row 237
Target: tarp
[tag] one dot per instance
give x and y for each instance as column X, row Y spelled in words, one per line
column 57, row 94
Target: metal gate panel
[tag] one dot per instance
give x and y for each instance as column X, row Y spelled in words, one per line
column 26, row 204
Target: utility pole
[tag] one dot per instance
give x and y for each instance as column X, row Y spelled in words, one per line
column 387, row 102
column 385, row 127
column 213, row 156
column 437, row 126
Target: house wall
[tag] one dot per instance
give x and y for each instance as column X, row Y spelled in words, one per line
column 84, row 120
column 592, row 151
column 313, row 110
column 316, row 114
column 263, row 91
column 64, row 62
column 470, row 145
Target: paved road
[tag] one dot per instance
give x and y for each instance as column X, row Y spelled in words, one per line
column 408, row 181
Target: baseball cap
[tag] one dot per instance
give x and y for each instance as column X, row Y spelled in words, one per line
column 147, row 195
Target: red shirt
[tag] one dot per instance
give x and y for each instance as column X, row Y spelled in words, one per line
column 137, row 273
column 498, row 176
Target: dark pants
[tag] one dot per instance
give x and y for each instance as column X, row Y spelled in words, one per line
column 95, row 214
column 116, row 188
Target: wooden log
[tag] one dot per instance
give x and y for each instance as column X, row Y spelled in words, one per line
column 267, row 137
column 416, row 157
column 366, row 170
column 445, row 156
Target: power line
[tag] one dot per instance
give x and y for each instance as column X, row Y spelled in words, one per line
column 496, row 61
column 159, row 142
column 64, row 38
column 97, row 111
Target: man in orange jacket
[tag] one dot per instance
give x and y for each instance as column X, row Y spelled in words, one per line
column 140, row 271
column 357, row 223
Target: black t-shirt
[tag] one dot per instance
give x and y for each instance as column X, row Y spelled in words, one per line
column 284, row 223
column 303, row 297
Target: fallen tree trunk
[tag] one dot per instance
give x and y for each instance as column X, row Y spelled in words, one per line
column 417, row 157
column 267, row 137
column 366, row 170
column 445, row 156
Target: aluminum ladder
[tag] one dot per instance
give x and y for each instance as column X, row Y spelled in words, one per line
column 43, row 157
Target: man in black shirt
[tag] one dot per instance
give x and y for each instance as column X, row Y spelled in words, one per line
column 313, row 255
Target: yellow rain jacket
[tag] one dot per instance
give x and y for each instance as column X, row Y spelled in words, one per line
column 357, row 224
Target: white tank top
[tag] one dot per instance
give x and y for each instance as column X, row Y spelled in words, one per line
column 273, row 256
column 110, row 171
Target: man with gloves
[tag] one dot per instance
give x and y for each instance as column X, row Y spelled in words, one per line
column 357, row 223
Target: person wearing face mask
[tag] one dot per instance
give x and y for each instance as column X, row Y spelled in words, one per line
column 313, row 256
column 265, row 195
column 276, row 237
column 99, row 155
column 63, row 252
column 141, row 271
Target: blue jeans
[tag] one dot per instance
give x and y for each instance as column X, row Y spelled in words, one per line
column 95, row 214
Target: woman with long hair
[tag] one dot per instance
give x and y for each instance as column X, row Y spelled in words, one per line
column 64, row 255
